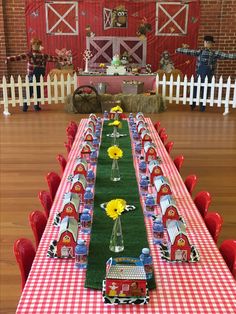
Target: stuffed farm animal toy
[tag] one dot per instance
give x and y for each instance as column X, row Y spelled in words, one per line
column 36, row 65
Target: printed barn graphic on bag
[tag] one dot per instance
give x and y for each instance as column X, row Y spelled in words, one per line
column 180, row 248
column 81, row 167
column 168, row 209
column 154, row 170
column 70, row 207
column 79, row 184
column 86, row 150
column 67, row 238
column 125, row 277
column 149, row 150
column 162, row 186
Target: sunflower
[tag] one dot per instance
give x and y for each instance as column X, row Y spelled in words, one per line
column 114, row 123
column 116, row 109
column 114, row 152
column 115, row 207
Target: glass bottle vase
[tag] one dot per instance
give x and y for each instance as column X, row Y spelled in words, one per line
column 115, row 136
column 115, row 172
column 116, row 241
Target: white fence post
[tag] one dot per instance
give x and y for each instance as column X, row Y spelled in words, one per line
column 185, row 89
column 42, row 100
column 49, row 90
column 205, row 89
column 164, row 86
column 191, row 90
column 5, row 97
column 220, row 85
column 234, row 97
column 27, row 90
column 20, row 90
column 212, row 91
column 171, row 89
column 13, row 94
column 157, row 83
column 227, row 94
column 177, row 89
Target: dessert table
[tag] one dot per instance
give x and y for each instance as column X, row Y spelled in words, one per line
column 114, row 82
column 207, row 286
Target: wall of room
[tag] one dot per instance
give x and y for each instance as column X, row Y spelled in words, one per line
column 217, row 19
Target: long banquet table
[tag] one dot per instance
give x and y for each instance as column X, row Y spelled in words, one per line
column 55, row 286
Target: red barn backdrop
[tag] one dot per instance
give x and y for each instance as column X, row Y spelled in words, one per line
column 159, row 26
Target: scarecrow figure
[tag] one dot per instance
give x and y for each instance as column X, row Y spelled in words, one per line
column 36, row 65
column 206, row 62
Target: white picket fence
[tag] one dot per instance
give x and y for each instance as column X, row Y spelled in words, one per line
column 54, row 91
column 206, row 93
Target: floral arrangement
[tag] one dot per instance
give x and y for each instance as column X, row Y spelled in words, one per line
column 115, row 123
column 114, row 152
column 66, row 55
column 116, row 109
column 115, row 208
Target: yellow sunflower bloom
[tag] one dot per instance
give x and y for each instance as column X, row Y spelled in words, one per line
column 114, row 123
column 114, row 208
column 114, row 152
column 116, row 109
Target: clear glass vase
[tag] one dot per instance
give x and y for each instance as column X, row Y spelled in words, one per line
column 115, row 136
column 115, row 172
column 116, row 241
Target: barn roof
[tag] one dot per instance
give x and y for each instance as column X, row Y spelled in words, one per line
column 69, row 224
column 165, row 202
column 73, row 198
column 159, row 181
column 126, row 272
column 175, row 228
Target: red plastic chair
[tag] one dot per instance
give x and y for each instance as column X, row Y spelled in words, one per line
column 190, row 183
column 74, row 125
column 169, row 147
column 157, row 125
column 24, row 252
column 46, row 201
column 38, row 223
column 163, row 137
column 178, row 161
column 62, row 161
column 214, row 223
column 228, row 251
column 161, row 131
column 71, row 133
column 53, row 181
column 203, row 200
column 68, row 147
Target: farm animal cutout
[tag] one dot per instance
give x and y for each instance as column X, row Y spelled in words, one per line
column 67, row 238
column 180, row 248
column 125, row 281
column 119, row 17
column 81, row 166
column 150, row 152
column 168, row 209
column 162, row 187
column 154, row 170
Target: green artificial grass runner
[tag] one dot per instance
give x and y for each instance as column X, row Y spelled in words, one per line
column 133, row 226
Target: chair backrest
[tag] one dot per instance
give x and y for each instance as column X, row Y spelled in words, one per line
column 157, row 125
column 169, row 147
column 228, row 251
column 203, row 200
column 24, row 252
column 70, row 131
column 214, row 223
column 70, row 140
column 74, row 125
column 46, row 201
column 163, row 137
column 68, row 147
column 53, row 181
column 38, row 223
column 178, row 161
column 161, row 131
column 190, row 183
column 62, row 162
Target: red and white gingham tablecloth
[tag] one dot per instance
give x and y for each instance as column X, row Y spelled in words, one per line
column 55, row 286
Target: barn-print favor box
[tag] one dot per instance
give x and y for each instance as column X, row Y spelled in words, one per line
column 70, row 208
column 78, row 185
column 86, row 150
column 150, row 152
column 125, row 282
column 89, row 129
column 67, row 238
column 81, row 166
column 139, row 116
column 162, row 187
column 141, row 127
column 93, row 117
column 89, row 137
column 168, row 209
column 154, row 170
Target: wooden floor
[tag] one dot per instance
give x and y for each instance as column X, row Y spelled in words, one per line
column 29, row 145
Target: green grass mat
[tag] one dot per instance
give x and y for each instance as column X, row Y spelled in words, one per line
column 133, row 226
